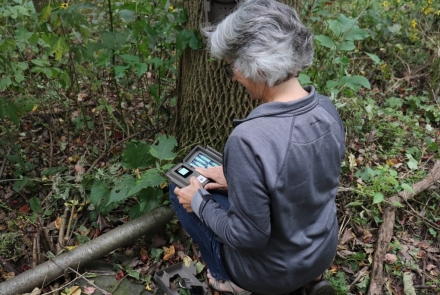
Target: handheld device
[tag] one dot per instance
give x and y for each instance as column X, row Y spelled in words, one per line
column 198, row 157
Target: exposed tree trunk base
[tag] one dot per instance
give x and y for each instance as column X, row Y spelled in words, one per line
column 385, row 233
column 88, row 252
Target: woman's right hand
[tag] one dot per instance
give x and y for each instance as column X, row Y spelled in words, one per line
column 216, row 175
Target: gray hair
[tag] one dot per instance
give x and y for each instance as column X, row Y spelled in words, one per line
column 265, row 40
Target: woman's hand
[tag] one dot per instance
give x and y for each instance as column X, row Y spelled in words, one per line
column 216, row 175
column 186, row 193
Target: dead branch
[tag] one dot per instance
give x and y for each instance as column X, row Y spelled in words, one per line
column 88, row 252
column 385, row 233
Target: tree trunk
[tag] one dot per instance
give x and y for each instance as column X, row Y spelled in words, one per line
column 208, row 99
column 39, row 4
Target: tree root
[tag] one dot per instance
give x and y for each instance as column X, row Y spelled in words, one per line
column 385, row 233
column 125, row 234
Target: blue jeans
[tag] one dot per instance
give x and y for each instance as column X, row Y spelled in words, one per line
column 209, row 246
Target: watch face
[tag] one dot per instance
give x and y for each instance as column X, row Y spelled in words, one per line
column 183, row 171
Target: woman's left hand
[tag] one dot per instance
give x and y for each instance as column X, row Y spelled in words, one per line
column 186, row 193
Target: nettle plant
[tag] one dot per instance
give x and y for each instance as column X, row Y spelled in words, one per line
column 144, row 186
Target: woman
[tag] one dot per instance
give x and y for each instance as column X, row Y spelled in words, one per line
column 267, row 223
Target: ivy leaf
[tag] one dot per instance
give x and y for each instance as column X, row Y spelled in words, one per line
column 378, row 198
column 149, row 178
column 163, row 147
column 137, row 155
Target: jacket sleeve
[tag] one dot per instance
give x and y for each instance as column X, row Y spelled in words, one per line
column 246, row 225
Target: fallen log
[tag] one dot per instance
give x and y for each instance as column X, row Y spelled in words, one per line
column 123, row 235
column 385, row 233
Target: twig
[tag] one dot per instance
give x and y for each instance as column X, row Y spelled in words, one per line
column 90, row 282
column 421, row 216
column 104, row 131
column 117, row 285
column 34, row 252
column 47, row 238
column 386, row 229
column 51, row 149
column 358, row 277
column 60, row 243
column 4, row 162
column 72, row 213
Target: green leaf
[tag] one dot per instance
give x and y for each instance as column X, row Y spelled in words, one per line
column 407, row 187
column 355, row 204
column 141, row 68
column 126, row 15
column 335, row 26
column 304, row 79
column 347, row 46
column 130, row 58
column 121, row 189
column 195, row 41
column 199, row 267
column 398, row 204
column 374, row 57
column 59, row 47
column 99, row 192
column 20, row 184
column 149, row 198
column 137, row 155
column 162, row 149
column 357, row 34
column 45, row 14
column 53, row 170
column 325, row 41
column 149, row 178
column 412, row 163
column 378, row 198
column 343, row 60
column 347, row 23
column 355, row 82
column 35, row 205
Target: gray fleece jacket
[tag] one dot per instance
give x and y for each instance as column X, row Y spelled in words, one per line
column 282, row 166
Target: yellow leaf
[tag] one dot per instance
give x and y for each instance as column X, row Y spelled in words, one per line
column 36, row 291
column 75, row 290
column 35, row 108
column 147, row 287
column 70, row 248
column 187, row 261
column 168, row 252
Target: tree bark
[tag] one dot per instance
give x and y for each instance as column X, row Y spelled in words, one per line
column 208, row 100
column 88, row 252
column 385, row 233
column 39, row 4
